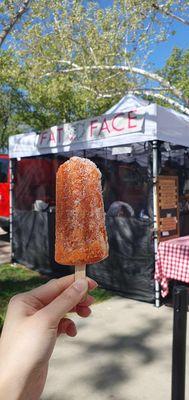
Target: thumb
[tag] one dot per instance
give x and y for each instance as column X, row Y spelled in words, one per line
column 64, row 303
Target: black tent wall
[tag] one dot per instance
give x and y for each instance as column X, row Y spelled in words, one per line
column 129, row 268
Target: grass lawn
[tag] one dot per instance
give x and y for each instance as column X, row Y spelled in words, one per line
column 17, row 279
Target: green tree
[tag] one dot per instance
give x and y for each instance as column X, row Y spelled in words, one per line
column 176, row 70
column 11, row 100
column 71, row 59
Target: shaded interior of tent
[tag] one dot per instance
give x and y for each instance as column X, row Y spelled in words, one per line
column 127, row 181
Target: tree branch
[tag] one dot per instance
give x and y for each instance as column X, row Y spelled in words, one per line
column 158, row 96
column 7, row 29
column 162, row 10
column 108, row 95
column 168, row 100
column 134, row 70
column 69, row 63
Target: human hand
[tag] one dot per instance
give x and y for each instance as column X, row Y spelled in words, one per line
column 34, row 321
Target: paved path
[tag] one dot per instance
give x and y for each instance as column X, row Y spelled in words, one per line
column 4, row 247
column 122, row 352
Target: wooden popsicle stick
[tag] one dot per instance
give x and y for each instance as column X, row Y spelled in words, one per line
column 80, row 271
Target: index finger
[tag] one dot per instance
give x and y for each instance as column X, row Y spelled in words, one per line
column 49, row 291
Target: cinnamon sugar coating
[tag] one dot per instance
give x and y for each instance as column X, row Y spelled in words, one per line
column 80, row 222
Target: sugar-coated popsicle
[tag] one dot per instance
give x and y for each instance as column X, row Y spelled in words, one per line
column 80, row 222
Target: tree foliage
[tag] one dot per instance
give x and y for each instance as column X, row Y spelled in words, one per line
column 67, row 60
column 176, row 71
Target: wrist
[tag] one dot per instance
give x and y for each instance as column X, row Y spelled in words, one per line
column 17, row 386
column 10, row 388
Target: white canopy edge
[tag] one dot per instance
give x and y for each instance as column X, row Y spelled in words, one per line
column 136, row 125
column 172, row 126
column 132, row 120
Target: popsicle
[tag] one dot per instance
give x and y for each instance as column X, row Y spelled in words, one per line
column 80, row 221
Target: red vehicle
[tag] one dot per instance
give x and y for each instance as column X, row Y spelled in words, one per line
column 4, row 191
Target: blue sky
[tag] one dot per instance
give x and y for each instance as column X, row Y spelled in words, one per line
column 163, row 50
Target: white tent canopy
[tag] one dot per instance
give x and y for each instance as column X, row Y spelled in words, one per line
column 131, row 120
column 127, row 103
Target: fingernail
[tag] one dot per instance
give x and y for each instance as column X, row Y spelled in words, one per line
column 50, row 281
column 81, row 285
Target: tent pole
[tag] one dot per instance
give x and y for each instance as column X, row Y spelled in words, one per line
column 180, row 303
column 10, row 207
column 155, row 174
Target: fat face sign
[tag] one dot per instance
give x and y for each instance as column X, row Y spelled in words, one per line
column 92, row 129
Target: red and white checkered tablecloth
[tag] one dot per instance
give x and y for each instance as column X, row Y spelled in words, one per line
column 172, row 262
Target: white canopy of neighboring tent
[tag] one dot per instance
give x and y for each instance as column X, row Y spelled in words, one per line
column 131, row 120
column 127, row 103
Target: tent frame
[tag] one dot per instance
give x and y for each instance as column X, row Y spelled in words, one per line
column 155, row 210
column 158, row 124
column 155, row 227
